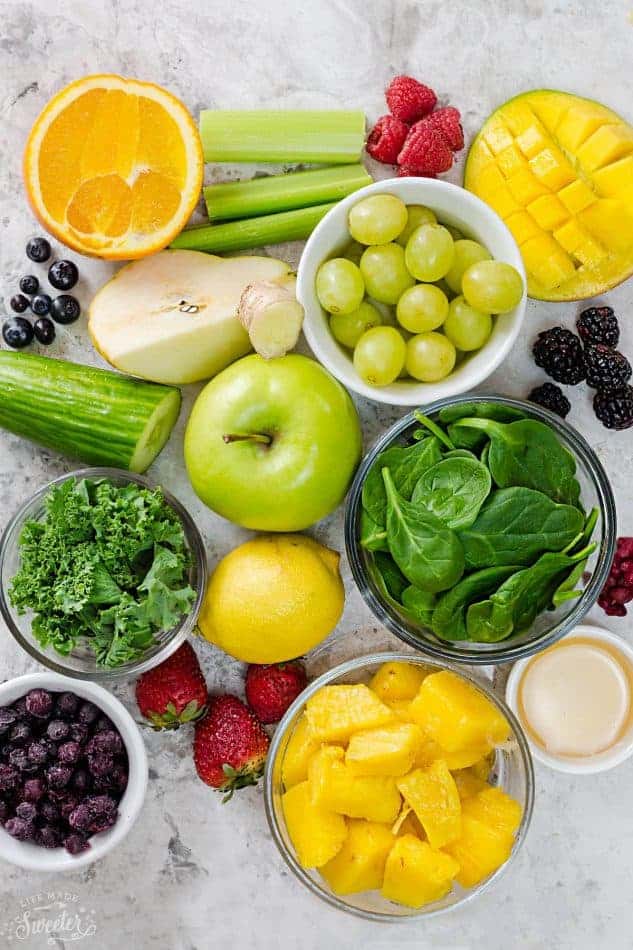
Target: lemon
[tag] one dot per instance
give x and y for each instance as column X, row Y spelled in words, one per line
column 273, row 598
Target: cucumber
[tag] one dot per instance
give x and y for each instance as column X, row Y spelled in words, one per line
column 90, row 414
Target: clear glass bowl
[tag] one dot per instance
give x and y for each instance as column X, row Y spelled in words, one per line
column 81, row 662
column 512, row 770
column 549, row 626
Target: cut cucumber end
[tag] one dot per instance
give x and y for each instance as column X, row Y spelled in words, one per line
column 156, row 432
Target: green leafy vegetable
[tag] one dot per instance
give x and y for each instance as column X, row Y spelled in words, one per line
column 448, row 621
column 516, row 525
column 454, row 490
column 434, row 429
column 107, row 565
column 468, row 438
column 429, row 555
column 420, row 604
column 406, row 464
column 373, row 536
column 390, row 575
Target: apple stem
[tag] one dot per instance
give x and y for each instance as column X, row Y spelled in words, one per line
column 248, row 437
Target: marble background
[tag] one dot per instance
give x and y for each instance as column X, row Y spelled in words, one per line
column 195, row 874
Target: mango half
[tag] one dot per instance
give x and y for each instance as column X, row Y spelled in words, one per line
column 559, row 170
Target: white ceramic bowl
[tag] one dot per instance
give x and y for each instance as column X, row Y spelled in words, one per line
column 577, row 765
column 452, row 205
column 35, row 858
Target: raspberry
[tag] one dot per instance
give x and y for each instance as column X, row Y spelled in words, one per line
column 386, row 139
column 425, row 151
column 404, row 172
column 447, row 122
column 409, row 99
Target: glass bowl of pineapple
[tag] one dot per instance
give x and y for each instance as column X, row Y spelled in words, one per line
column 398, row 786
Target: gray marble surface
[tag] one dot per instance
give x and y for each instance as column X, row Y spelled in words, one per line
column 196, row 874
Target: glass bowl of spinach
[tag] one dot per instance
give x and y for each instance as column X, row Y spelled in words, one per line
column 102, row 574
column 480, row 529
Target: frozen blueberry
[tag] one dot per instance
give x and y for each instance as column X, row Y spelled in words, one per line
column 58, row 776
column 20, row 733
column 80, row 817
column 63, row 275
column 27, row 811
column 49, row 811
column 103, row 812
column 100, row 764
column 38, row 752
column 48, row 836
column 81, row 780
column 68, row 753
column 68, row 805
column 106, row 741
column 38, row 249
column 78, row 732
column 66, row 705
column 57, row 730
column 9, row 777
column 29, row 284
column 103, row 724
column 7, row 718
column 39, row 703
column 33, row 790
column 19, row 708
column 19, row 758
column 87, row 714
column 119, row 778
column 76, row 843
column 20, row 829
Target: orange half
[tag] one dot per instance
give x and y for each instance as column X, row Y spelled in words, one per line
column 113, row 167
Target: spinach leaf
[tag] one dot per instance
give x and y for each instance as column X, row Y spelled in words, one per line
column 389, row 575
column 480, row 410
column 429, row 555
column 434, row 429
column 373, row 495
column 448, row 621
column 406, row 464
column 460, row 454
column 527, row 453
column 567, row 590
column 419, row 604
column 516, row 525
column 454, row 490
column 373, row 537
column 468, row 439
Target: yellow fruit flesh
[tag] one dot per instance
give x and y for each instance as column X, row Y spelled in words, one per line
column 415, row 874
column 335, row 712
column 397, row 681
column 434, row 798
column 300, row 749
column 360, row 864
column 559, row 170
column 478, row 851
column 316, row 833
column 390, row 750
column 335, row 788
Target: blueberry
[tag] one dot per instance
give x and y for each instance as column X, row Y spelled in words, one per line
column 19, row 759
column 79, row 732
column 19, row 303
column 4, row 811
column 58, row 776
column 63, row 275
column 66, row 705
column 68, row 805
column 88, row 712
column 106, row 741
column 7, row 718
column 33, row 789
column 17, row 332
column 65, row 309
column 69, row 753
column 38, row 249
column 80, row 818
column 29, row 284
column 103, row 724
column 38, row 752
column 39, row 703
column 41, row 304
column 9, row 777
column 27, row 811
column 81, row 780
column 20, row 829
column 57, row 730
column 19, row 707
column 44, row 330
column 49, row 811
column 100, row 764
column 48, row 836
column 76, row 843
column 20, row 733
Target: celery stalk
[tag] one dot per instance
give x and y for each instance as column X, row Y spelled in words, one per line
column 252, row 232
column 331, row 138
column 271, row 193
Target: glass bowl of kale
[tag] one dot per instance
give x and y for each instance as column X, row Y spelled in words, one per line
column 480, row 529
column 102, row 574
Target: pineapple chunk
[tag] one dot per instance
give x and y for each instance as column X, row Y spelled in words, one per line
column 552, row 168
column 614, row 180
column 548, row 212
column 547, row 261
column 317, row 834
column 387, row 751
column 407, row 823
column 457, row 715
column 415, row 874
column 576, row 196
column 335, row 712
column 468, row 784
column 478, row 851
column 607, row 144
column 394, row 681
column 430, row 751
column 522, row 226
column 301, row 747
column 483, row 767
column 524, row 187
column 401, row 708
column 360, row 864
column 334, row 787
column 433, row 795
column 496, row 809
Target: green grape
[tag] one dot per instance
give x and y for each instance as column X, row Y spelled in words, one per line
column 430, row 357
column 377, row 219
column 379, row 356
column 466, row 253
column 417, row 216
column 455, row 233
column 492, row 286
column 466, row 327
column 421, row 308
column 385, row 273
column 339, row 286
column 429, row 252
column 353, row 252
column 348, row 328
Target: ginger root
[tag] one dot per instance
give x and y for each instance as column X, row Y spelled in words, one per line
column 272, row 316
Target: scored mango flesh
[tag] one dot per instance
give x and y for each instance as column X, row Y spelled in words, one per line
column 559, row 170
column 385, row 787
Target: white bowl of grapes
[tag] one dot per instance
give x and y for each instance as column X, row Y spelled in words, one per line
column 413, row 290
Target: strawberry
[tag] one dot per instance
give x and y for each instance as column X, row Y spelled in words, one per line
column 425, row 151
column 174, row 692
column 386, row 139
column 229, row 746
column 409, row 99
column 271, row 689
column 447, row 122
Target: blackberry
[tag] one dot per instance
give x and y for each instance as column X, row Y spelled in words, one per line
column 606, row 368
column 551, row 397
column 615, row 408
column 559, row 352
column 598, row 325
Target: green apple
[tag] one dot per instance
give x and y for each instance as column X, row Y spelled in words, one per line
column 272, row 445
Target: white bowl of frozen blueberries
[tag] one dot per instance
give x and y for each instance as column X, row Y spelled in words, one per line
column 73, row 772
